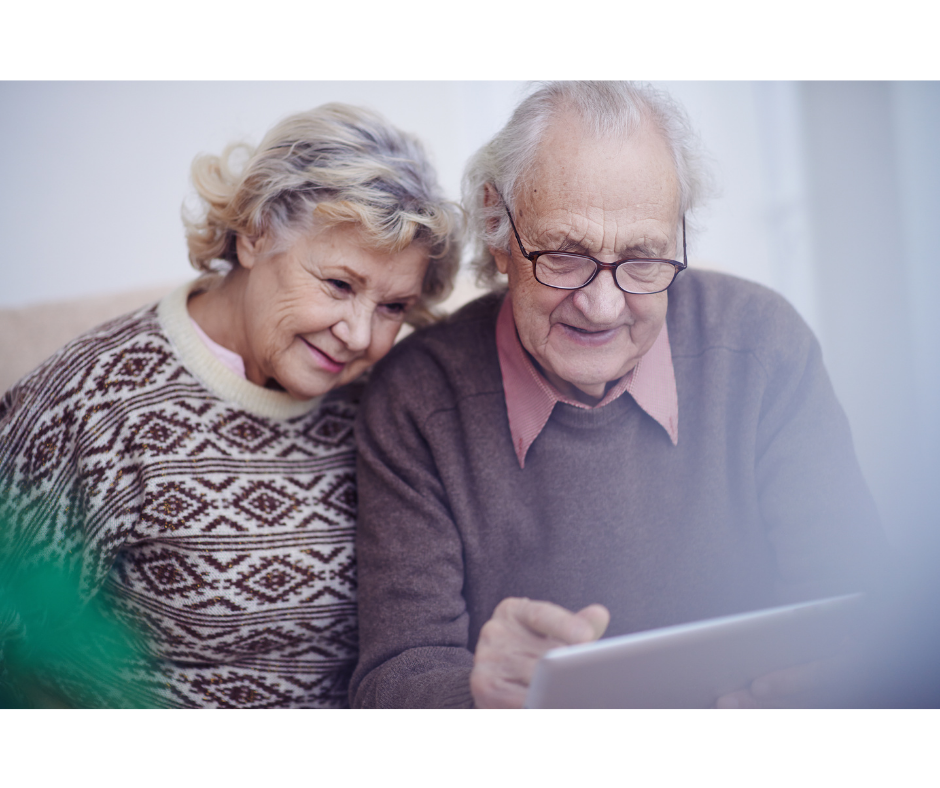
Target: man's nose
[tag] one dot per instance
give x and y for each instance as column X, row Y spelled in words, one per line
column 355, row 328
column 601, row 301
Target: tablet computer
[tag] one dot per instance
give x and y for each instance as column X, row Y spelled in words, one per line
column 692, row 665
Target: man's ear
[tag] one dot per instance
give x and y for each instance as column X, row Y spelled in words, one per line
column 248, row 251
column 490, row 195
column 501, row 258
column 491, row 198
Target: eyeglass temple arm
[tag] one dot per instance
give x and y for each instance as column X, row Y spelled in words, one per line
column 685, row 256
column 512, row 224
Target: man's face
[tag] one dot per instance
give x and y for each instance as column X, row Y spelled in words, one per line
column 610, row 199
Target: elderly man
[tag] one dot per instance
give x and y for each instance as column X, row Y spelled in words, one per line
column 614, row 443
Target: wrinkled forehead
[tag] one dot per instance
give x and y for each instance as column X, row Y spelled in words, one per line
column 607, row 191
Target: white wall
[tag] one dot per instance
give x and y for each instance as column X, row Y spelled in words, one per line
column 873, row 172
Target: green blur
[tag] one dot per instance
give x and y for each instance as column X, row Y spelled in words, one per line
column 49, row 633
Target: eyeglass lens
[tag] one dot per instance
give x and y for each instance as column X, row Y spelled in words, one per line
column 571, row 272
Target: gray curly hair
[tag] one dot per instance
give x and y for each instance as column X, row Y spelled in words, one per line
column 336, row 164
column 606, row 109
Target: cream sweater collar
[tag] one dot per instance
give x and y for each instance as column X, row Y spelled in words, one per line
column 198, row 359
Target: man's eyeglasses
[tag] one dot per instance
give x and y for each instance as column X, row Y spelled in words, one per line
column 572, row 271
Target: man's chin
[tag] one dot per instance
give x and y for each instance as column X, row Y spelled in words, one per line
column 580, row 386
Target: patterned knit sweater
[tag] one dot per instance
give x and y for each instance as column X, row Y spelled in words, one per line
column 215, row 515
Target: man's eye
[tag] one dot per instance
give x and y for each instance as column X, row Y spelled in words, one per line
column 339, row 284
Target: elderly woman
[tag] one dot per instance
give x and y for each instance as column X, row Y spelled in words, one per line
column 192, row 463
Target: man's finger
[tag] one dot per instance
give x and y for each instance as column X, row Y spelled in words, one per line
column 741, row 699
column 549, row 620
column 796, row 679
column 784, row 682
column 597, row 616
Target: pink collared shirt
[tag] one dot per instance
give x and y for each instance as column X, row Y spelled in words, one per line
column 229, row 358
column 530, row 398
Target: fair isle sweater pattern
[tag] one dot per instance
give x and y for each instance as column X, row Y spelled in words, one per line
column 215, row 515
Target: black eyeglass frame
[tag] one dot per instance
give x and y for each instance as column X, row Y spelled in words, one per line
column 598, row 265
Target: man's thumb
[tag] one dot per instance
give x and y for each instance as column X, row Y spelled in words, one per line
column 597, row 616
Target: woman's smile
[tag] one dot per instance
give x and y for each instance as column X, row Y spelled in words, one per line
column 324, row 360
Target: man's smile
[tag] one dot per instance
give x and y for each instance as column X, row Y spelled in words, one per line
column 588, row 336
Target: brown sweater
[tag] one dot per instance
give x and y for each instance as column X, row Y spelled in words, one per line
column 761, row 502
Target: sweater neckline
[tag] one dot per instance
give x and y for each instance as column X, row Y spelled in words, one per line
column 593, row 418
column 221, row 381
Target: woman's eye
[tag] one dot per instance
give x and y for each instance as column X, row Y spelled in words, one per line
column 339, row 284
column 395, row 308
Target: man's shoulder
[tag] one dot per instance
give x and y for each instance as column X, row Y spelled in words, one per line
column 708, row 309
column 474, row 321
column 452, row 358
column 469, row 332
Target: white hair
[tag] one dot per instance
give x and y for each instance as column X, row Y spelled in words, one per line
column 336, row 164
column 606, row 109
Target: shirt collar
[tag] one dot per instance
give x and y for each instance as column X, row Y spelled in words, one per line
column 530, row 398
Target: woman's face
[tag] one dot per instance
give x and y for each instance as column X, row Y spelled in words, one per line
column 320, row 313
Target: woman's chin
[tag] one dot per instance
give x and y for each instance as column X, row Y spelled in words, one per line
column 308, row 389
column 313, row 381
column 308, row 393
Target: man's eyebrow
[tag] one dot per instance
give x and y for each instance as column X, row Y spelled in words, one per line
column 567, row 244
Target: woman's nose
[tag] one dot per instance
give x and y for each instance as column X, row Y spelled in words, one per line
column 355, row 328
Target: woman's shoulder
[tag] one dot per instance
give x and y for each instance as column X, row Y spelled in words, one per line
column 108, row 355
column 87, row 376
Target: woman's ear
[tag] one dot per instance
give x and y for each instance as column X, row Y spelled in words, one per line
column 248, row 251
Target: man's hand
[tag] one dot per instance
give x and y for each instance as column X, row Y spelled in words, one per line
column 515, row 638
column 821, row 684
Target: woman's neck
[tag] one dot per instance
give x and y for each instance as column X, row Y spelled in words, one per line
column 218, row 311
